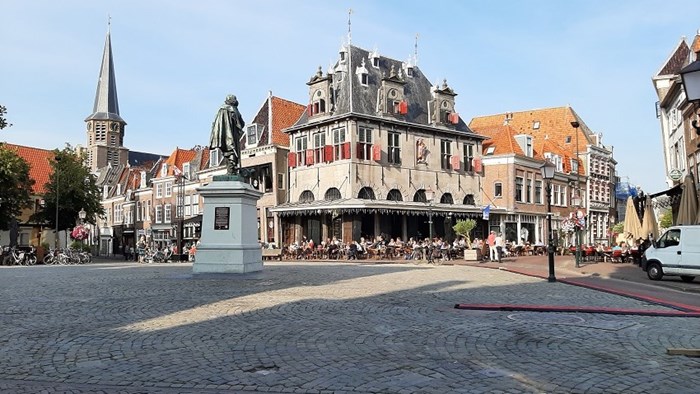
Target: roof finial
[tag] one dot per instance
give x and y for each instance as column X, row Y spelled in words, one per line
column 349, row 25
column 109, row 23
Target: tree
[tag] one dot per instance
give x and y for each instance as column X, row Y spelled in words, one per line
column 464, row 228
column 16, row 189
column 666, row 219
column 3, row 121
column 76, row 189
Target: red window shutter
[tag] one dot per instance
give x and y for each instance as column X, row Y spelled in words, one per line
column 308, row 109
column 476, row 163
column 359, row 151
column 376, row 152
column 403, row 107
column 454, row 118
column 291, row 159
column 309, row 157
column 454, row 160
column 328, row 152
column 346, row 150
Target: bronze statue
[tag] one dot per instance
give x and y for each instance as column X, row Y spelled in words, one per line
column 226, row 134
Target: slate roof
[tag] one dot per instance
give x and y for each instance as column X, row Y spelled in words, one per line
column 106, row 105
column 352, row 97
column 39, row 161
column 141, row 159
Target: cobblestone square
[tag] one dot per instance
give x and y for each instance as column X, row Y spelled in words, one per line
column 317, row 327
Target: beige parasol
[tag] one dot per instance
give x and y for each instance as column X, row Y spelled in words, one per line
column 649, row 224
column 632, row 227
column 688, row 208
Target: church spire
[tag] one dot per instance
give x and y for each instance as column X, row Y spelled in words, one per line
column 106, row 105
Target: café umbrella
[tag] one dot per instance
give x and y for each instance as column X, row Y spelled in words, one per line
column 649, row 225
column 632, row 227
column 688, row 207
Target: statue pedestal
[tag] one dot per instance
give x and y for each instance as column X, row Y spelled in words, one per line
column 229, row 242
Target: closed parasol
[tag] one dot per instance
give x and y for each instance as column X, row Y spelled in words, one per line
column 688, row 208
column 649, row 224
column 632, row 227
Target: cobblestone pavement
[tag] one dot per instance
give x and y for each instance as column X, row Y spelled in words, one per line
column 315, row 327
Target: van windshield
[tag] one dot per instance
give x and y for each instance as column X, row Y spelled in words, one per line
column 670, row 238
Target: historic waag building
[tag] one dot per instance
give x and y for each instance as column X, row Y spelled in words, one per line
column 376, row 141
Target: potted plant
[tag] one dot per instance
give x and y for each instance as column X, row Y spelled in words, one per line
column 464, row 228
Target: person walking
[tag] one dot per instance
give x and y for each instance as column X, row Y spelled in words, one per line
column 499, row 247
column 491, row 241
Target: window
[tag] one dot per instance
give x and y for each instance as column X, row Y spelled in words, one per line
column 164, row 169
column 519, row 189
column 138, row 211
column 498, row 189
column 301, row 145
column 280, row 181
column 339, row 152
column 445, row 154
column 148, row 210
column 167, row 213
column 332, row 194
column 187, row 170
column 168, row 189
column 469, row 200
column 536, row 125
column 528, row 190
column 375, row 61
column 159, row 190
column 490, row 150
column 366, row 193
column 252, row 134
column 364, row 79
column 468, row 157
column 394, row 195
column 319, row 145
column 574, row 165
column 568, row 139
column 195, row 204
column 214, row 157
column 188, row 206
column 393, row 148
column 538, row 192
column 364, row 143
column 159, row 214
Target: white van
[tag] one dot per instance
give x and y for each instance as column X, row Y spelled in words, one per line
column 675, row 253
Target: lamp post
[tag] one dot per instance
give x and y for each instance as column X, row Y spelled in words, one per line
column 81, row 215
column 58, row 160
column 690, row 76
column 429, row 195
column 576, row 200
column 547, row 169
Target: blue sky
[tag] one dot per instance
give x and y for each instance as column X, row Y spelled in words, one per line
column 175, row 61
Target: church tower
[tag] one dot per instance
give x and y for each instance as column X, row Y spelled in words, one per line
column 105, row 128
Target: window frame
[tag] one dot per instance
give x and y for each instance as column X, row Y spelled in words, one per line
column 445, row 153
column 498, row 189
column 319, row 141
column 364, row 143
column 394, row 148
column 339, row 139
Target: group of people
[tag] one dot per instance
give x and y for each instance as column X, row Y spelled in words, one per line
column 379, row 247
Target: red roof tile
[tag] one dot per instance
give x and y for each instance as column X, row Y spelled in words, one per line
column 39, row 161
column 284, row 114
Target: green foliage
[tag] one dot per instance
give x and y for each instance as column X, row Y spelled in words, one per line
column 15, row 186
column 78, row 245
column 464, row 228
column 666, row 219
column 618, row 228
column 3, row 121
column 73, row 188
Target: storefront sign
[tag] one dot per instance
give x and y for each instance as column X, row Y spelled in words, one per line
column 221, row 218
column 675, row 174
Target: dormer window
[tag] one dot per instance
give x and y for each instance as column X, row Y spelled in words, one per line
column 574, row 166
column 119, row 189
column 364, row 79
column 525, row 143
column 490, row 150
column 409, row 71
column 164, row 169
column 142, row 185
column 252, row 134
column 186, row 170
column 536, row 125
column 375, row 62
column 363, row 74
column 214, row 158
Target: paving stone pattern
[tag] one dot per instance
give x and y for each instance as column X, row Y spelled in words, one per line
column 325, row 328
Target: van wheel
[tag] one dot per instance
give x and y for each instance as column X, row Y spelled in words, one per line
column 687, row 278
column 654, row 271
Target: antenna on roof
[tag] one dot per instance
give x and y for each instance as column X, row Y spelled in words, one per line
column 349, row 25
column 415, row 52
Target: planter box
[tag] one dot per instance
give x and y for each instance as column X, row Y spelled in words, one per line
column 472, row 255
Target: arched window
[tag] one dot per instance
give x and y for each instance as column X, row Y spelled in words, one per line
column 306, row 196
column 394, row 195
column 366, row 193
column 332, row 194
column 469, row 199
column 446, row 199
column 420, row 196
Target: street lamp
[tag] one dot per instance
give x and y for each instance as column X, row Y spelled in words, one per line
column 690, row 76
column 547, row 169
column 576, row 200
column 58, row 160
column 429, row 195
column 81, row 215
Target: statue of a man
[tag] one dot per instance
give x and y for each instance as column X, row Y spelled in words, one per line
column 226, row 134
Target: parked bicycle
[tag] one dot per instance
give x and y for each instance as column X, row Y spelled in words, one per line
column 23, row 257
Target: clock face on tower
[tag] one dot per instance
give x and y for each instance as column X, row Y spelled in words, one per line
column 89, row 126
column 114, row 127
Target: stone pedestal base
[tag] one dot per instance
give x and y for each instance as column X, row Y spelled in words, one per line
column 229, row 242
